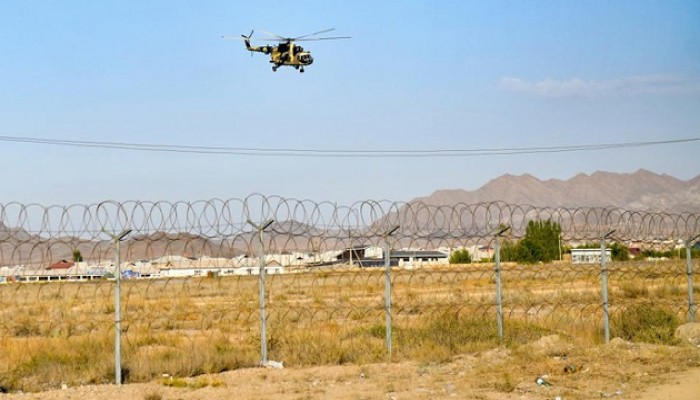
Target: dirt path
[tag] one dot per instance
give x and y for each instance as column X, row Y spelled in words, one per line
column 346, row 383
column 680, row 387
column 499, row 374
column 617, row 370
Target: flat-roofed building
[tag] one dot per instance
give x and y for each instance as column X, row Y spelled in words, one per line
column 588, row 256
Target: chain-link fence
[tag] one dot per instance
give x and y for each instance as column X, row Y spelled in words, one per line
column 195, row 287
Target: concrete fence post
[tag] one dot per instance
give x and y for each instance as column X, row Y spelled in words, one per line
column 387, row 286
column 689, row 272
column 497, row 271
column 261, row 288
column 116, row 240
column 604, row 283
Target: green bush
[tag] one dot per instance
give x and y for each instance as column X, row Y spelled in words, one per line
column 646, row 323
column 460, row 256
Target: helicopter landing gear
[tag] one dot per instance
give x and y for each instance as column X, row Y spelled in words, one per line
column 301, row 70
column 274, row 68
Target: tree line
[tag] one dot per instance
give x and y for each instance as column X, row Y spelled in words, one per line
column 542, row 243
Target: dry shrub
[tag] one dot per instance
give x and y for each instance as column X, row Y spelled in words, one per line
column 506, row 384
column 634, row 290
column 153, row 396
column 39, row 363
column 646, row 323
column 324, row 344
column 428, row 338
column 182, row 356
column 439, row 337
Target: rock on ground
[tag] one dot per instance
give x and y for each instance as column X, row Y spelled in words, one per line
column 689, row 333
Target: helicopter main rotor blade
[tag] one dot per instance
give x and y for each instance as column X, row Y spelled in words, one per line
column 253, row 40
column 323, row 38
column 315, row 33
column 273, row 37
column 276, row 36
column 245, row 38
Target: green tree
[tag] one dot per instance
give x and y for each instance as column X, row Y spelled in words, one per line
column 77, row 256
column 460, row 256
column 619, row 252
column 509, row 251
column 541, row 242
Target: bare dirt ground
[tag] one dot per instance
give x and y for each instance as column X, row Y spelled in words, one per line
column 682, row 386
column 618, row 370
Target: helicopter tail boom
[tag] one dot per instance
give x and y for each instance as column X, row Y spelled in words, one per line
column 260, row 49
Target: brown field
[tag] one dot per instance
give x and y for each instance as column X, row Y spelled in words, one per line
column 444, row 319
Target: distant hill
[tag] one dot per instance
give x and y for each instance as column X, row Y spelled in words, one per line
column 642, row 190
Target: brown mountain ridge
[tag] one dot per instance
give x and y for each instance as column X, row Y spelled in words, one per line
column 642, row 190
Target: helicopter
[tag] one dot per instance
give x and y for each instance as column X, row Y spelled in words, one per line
column 287, row 52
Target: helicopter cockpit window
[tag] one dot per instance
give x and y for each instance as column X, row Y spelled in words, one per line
column 298, row 49
column 305, row 58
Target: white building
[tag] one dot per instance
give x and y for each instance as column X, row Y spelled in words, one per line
column 588, row 256
column 418, row 258
column 183, row 267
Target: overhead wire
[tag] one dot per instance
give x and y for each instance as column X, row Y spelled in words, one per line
column 339, row 153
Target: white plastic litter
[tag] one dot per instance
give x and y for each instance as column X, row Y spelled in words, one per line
column 273, row 364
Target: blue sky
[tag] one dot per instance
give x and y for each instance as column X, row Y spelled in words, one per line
column 416, row 75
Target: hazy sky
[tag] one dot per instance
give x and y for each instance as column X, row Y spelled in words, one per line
column 416, row 75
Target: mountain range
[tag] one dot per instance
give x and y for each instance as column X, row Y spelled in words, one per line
column 642, row 190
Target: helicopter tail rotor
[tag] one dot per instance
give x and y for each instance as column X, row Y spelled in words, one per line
column 246, row 40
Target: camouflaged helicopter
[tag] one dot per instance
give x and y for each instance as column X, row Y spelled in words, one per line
column 286, row 52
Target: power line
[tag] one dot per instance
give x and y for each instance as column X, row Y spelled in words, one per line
column 338, row 153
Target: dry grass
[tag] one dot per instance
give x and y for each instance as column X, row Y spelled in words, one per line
column 599, row 371
column 63, row 332
column 153, row 396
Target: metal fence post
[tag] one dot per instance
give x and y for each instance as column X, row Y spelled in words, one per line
column 261, row 288
column 387, row 287
column 497, row 270
column 689, row 271
column 117, row 239
column 604, row 281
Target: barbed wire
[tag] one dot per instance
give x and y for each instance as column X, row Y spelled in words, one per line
column 218, row 218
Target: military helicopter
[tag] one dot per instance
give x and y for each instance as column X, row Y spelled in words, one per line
column 286, row 52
